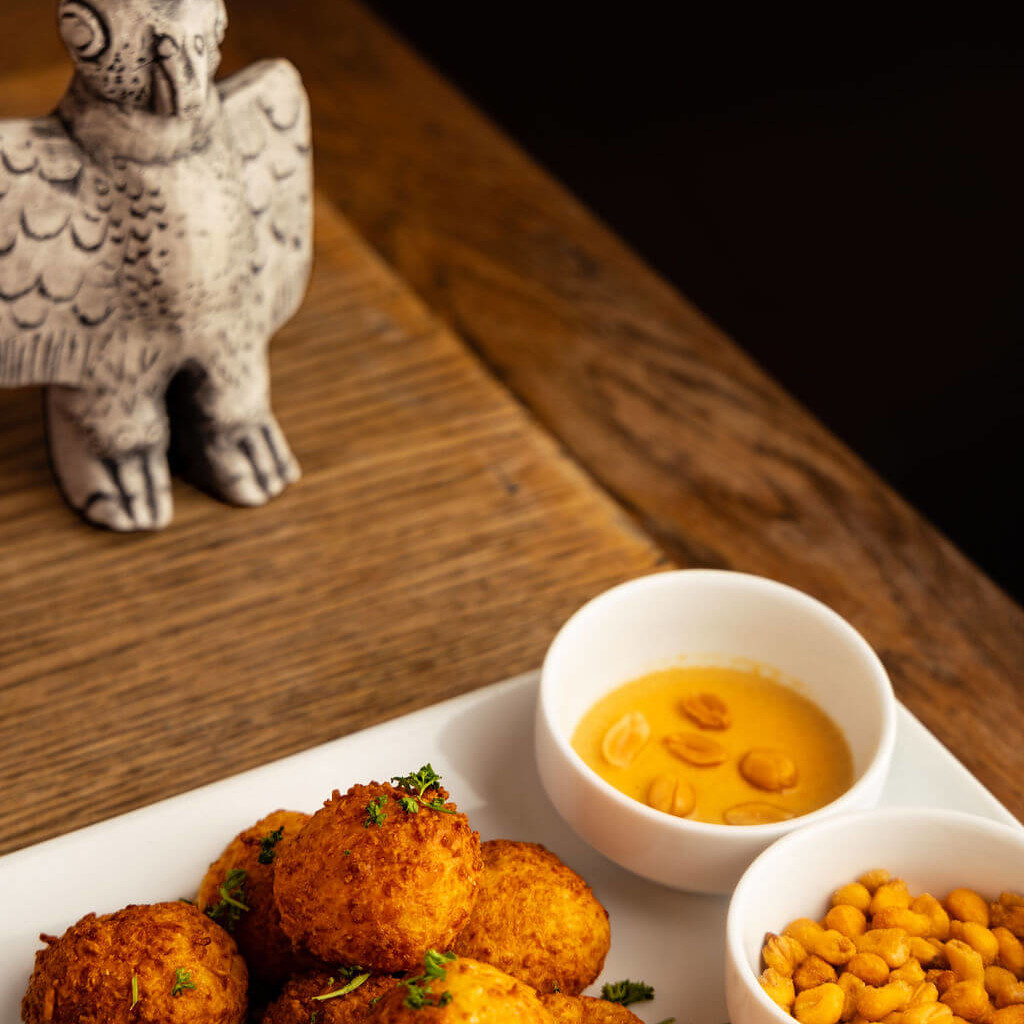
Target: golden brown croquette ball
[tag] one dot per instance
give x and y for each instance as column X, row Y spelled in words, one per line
column 376, row 878
column 297, row 1003
column 161, row 964
column 536, row 919
column 470, row 992
column 267, row 950
column 587, row 1010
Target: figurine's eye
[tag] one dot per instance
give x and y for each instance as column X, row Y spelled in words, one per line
column 83, row 30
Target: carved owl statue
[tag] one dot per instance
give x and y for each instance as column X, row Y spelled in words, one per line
column 156, row 229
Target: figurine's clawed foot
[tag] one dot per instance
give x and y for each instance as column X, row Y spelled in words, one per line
column 105, row 478
column 248, row 465
column 125, row 493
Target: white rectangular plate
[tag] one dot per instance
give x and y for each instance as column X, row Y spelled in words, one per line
column 482, row 744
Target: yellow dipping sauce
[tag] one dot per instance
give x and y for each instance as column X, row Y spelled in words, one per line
column 696, row 764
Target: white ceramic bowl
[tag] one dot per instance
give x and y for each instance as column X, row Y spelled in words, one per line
column 934, row 851
column 650, row 623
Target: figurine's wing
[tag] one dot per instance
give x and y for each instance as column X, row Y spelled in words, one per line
column 267, row 113
column 59, row 256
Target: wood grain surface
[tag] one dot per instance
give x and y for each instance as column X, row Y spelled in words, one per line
column 440, row 536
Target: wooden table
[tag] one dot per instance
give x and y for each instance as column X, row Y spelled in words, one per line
column 500, row 411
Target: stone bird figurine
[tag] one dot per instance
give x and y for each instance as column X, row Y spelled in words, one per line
column 157, row 228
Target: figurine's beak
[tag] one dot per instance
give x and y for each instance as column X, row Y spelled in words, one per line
column 180, row 81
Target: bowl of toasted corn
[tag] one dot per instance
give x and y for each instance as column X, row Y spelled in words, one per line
column 898, row 915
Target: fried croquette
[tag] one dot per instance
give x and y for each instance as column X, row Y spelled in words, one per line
column 536, row 919
column 267, row 950
column 462, row 991
column 586, row 1010
column 298, row 1001
column 166, row 963
column 378, row 876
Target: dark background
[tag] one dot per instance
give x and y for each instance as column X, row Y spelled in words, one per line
column 842, row 196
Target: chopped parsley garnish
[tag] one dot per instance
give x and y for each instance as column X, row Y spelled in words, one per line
column 230, row 908
column 345, row 989
column 135, row 992
column 182, row 981
column 416, row 785
column 419, row 995
column 557, row 988
column 313, row 1016
column 668, row 1020
column 375, row 813
column 419, row 782
column 626, row 992
column 267, row 844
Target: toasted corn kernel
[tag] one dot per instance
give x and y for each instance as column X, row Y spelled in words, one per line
column 672, row 795
column 928, row 1013
column 869, row 967
column 911, row 972
column 707, row 710
column 1007, row 1015
column 846, row 920
column 1011, row 950
column 997, row 979
column 1003, row 987
column 876, row 1003
column 967, row 905
column 767, row 769
column 691, row 747
column 924, row 992
column 813, row 972
column 625, row 739
column 828, row 944
column 978, row 937
column 804, row 930
column 967, row 999
column 852, row 895
column 784, row 953
column 913, row 924
column 924, row 952
column 1008, row 912
column 1011, row 917
column 890, row 894
column 1011, row 996
column 891, row 944
column 928, row 905
column 834, row 947
column 821, row 1005
column 778, row 988
column 942, row 980
column 755, row 813
column 871, row 880
column 965, row 961
column 852, row 986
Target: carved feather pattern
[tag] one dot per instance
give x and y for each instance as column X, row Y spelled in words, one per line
column 58, row 255
column 267, row 113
